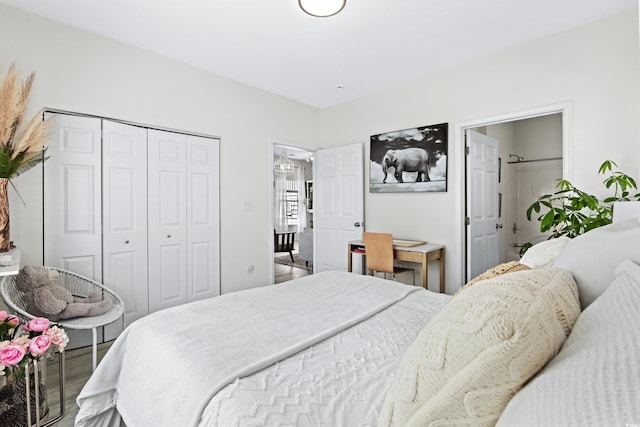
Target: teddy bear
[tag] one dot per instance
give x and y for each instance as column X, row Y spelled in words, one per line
column 45, row 297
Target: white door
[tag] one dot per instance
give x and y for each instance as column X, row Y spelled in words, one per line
column 338, row 204
column 72, row 196
column 482, row 203
column 167, row 219
column 124, row 204
column 532, row 180
column 203, row 230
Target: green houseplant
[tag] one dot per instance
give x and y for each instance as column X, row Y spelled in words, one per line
column 570, row 211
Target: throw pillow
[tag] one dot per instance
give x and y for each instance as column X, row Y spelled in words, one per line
column 543, row 254
column 474, row 355
column 498, row 270
column 592, row 257
column 593, row 381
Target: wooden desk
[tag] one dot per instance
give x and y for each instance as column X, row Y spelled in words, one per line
column 421, row 254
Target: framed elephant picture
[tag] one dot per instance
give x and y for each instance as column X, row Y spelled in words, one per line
column 409, row 160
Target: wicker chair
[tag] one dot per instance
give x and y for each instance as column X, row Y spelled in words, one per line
column 79, row 286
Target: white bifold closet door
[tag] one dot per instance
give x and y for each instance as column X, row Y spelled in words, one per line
column 167, row 219
column 72, row 196
column 135, row 209
column 183, row 189
column 95, row 191
column 203, row 218
column 124, row 218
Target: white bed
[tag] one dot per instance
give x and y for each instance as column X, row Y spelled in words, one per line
column 554, row 343
column 321, row 351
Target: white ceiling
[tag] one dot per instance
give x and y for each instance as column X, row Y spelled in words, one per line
column 371, row 45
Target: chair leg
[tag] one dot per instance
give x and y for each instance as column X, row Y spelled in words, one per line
column 95, row 348
column 413, row 273
column 291, row 255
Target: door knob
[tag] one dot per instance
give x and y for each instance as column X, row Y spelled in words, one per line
column 358, row 224
column 126, row 242
column 498, row 226
column 168, row 236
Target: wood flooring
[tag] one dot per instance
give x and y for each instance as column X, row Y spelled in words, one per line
column 77, row 372
column 78, row 362
column 283, row 273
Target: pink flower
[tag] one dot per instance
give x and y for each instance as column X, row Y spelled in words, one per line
column 39, row 345
column 12, row 320
column 39, row 324
column 58, row 337
column 12, row 354
column 3, row 315
column 21, row 340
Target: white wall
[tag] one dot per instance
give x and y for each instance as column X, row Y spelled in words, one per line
column 539, row 137
column 596, row 67
column 80, row 72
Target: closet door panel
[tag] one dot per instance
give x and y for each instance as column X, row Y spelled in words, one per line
column 167, row 219
column 124, row 169
column 203, row 231
column 72, row 201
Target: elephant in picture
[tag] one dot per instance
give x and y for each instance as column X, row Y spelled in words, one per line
column 407, row 160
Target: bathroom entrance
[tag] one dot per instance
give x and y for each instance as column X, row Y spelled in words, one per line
column 527, row 180
column 530, row 153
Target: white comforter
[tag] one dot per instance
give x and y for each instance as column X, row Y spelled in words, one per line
column 167, row 368
column 341, row 381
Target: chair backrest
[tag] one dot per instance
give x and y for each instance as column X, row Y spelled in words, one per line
column 379, row 251
column 79, row 286
column 283, row 242
column 14, row 298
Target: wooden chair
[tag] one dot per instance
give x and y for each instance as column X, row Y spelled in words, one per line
column 379, row 254
column 283, row 242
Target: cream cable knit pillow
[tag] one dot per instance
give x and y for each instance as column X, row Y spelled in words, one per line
column 475, row 354
column 498, row 270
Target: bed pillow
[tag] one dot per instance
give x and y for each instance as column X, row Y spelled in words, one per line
column 593, row 381
column 474, row 355
column 543, row 254
column 498, row 270
column 592, row 257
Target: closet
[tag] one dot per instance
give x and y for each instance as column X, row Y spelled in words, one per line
column 134, row 208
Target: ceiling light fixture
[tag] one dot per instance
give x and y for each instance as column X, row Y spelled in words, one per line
column 283, row 166
column 322, row 8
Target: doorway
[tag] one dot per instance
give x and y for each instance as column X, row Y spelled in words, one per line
column 292, row 201
column 535, row 150
column 531, row 163
column 528, row 179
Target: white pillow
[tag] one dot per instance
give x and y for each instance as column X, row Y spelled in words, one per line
column 593, row 256
column 543, row 254
column 595, row 379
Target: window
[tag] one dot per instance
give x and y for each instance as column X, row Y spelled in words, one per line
column 291, row 202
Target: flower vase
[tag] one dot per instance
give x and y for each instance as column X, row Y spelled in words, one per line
column 5, row 241
column 13, row 402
